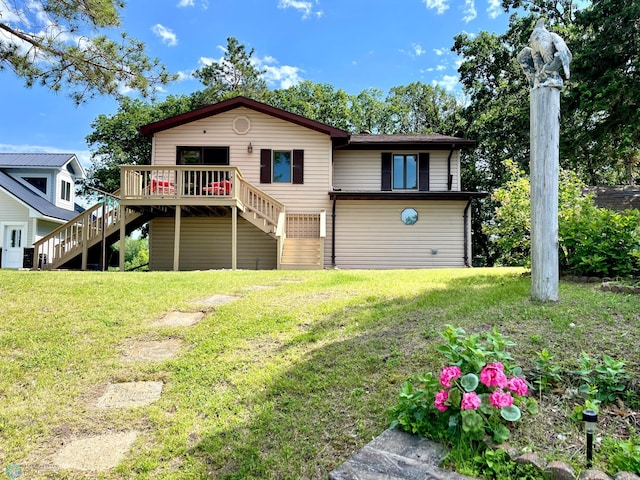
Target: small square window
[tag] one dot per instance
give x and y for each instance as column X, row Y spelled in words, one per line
column 282, row 166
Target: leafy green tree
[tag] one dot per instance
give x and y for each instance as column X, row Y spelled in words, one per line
column 61, row 45
column 235, row 74
column 115, row 139
column 605, row 94
column 317, row 101
column 370, row 112
column 421, row 108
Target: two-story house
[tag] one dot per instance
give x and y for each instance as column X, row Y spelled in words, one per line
column 241, row 184
column 37, row 195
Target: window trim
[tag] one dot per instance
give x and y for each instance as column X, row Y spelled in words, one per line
column 65, row 190
column 31, row 184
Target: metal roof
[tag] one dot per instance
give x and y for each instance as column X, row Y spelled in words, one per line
column 35, row 201
column 14, row 160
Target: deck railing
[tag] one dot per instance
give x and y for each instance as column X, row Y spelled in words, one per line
column 166, row 184
column 178, row 181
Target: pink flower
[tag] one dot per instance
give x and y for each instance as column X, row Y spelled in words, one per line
column 492, row 375
column 441, row 397
column 448, row 374
column 470, row 401
column 501, row 399
column 518, row 386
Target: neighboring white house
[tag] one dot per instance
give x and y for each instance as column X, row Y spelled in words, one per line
column 37, row 195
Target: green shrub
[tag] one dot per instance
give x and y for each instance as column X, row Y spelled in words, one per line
column 592, row 241
column 622, row 455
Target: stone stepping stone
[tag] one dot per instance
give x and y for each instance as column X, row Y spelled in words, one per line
column 99, row 453
column 153, row 350
column 130, row 394
column 179, row 319
column 217, row 300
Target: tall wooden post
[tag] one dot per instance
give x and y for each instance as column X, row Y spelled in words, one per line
column 544, row 166
column 542, row 61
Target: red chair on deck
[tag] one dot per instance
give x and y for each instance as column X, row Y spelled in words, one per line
column 161, row 186
column 218, row 188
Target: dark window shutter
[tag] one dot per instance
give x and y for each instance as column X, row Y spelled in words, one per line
column 265, row 165
column 423, row 172
column 386, row 172
column 298, row 166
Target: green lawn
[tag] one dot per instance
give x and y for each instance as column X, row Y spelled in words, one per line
column 286, row 382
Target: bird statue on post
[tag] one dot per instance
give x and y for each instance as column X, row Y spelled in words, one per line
column 545, row 56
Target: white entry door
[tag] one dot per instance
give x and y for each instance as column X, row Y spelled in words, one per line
column 12, row 250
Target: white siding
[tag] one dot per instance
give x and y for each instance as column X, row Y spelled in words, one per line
column 266, row 132
column 370, row 234
column 12, row 211
column 360, row 170
column 205, row 243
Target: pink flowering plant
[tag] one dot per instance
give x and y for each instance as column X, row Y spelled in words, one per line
column 480, row 392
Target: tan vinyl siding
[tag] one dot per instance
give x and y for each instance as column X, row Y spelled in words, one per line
column 360, row 171
column 266, row 133
column 369, row 234
column 205, row 243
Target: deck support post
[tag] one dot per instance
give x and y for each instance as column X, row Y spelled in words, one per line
column 123, row 238
column 85, row 243
column 234, row 237
column 176, row 239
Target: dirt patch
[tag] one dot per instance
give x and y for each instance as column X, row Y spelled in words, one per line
column 98, row 453
column 153, row 350
column 179, row 319
column 130, row 394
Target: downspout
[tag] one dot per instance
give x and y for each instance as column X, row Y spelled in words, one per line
column 466, row 234
column 333, row 233
column 449, row 176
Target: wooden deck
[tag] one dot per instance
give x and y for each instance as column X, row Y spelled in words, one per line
column 150, row 191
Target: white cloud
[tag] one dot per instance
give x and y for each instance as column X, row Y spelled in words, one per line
column 279, row 76
column 440, row 51
column 470, row 12
column 448, row 82
column 304, row 7
column 418, row 50
column 495, row 8
column 440, row 6
column 441, row 68
column 186, row 3
column 166, row 35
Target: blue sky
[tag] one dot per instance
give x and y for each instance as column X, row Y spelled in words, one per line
column 350, row 44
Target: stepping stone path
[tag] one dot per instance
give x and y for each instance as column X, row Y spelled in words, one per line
column 130, row 394
column 98, row 453
column 104, row 452
column 153, row 350
column 179, row 319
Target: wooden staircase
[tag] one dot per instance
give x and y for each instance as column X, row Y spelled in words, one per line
column 78, row 243
column 302, row 254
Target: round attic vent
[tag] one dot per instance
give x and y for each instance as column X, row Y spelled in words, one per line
column 241, row 125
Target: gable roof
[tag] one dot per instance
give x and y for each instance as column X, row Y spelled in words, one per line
column 42, row 160
column 35, row 201
column 226, row 105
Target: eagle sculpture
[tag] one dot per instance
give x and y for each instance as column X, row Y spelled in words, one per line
column 545, row 56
